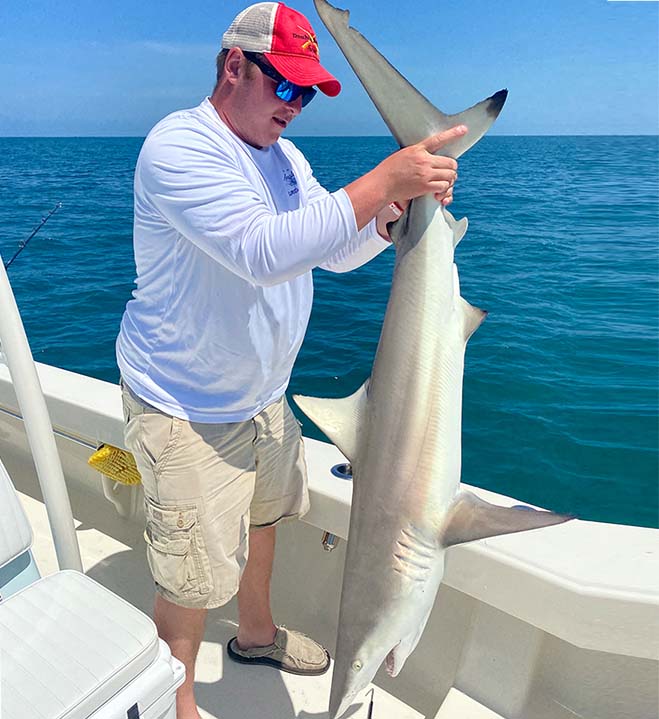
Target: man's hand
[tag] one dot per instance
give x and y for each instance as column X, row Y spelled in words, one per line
column 415, row 170
column 411, row 172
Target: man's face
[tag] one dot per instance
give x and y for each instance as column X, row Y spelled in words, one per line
column 260, row 117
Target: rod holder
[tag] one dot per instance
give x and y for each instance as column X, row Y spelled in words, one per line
column 329, row 541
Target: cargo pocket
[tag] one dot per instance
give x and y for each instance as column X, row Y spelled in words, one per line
column 175, row 549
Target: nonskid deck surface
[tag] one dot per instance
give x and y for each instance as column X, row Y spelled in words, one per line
column 224, row 690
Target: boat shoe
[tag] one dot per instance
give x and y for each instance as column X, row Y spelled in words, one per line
column 291, row 652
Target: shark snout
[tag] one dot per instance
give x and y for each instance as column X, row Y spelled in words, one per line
column 352, row 676
column 337, row 712
column 345, row 688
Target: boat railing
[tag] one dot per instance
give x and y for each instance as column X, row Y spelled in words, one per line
column 25, row 380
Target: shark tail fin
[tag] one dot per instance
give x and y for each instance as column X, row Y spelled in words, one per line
column 408, row 114
column 471, row 518
column 339, row 419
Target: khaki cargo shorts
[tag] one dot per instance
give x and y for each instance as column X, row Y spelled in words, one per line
column 205, row 487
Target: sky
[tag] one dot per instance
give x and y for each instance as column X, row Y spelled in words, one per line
column 572, row 67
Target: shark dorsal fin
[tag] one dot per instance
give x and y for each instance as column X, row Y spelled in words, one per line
column 472, row 518
column 408, row 114
column 339, row 419
column 459, row 227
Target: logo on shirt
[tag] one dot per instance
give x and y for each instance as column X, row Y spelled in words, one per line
column 291, row 182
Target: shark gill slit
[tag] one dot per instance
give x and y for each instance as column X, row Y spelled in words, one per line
column 413, row 535
column 414, row 556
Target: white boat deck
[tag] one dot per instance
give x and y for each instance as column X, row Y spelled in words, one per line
column 553, row 624
column 225, row 690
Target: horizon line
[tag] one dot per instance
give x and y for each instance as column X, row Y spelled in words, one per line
column 297, row 137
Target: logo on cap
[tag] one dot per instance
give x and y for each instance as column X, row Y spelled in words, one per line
column 310, row 42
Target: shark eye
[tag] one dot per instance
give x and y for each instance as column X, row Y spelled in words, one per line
column 357, row 665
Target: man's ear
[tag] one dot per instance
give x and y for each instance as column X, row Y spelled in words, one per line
column 233, row 64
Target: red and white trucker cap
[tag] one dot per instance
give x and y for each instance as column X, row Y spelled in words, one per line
column 285, row 37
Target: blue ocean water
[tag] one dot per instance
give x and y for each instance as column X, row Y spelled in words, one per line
column 561, row 389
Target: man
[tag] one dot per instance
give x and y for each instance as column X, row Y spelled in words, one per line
column 229, row 222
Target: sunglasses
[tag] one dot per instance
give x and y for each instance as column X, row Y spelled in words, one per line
column 286, row 90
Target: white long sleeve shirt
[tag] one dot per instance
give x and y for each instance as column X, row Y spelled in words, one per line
column 225, row 238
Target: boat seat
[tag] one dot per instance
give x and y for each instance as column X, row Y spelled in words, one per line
column 17, row 567
column 69, row 646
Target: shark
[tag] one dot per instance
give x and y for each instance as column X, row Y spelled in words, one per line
column 401, row 430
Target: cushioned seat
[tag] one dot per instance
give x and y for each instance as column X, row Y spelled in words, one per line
column 15, row 530
column 68, row 645
column 17, row 568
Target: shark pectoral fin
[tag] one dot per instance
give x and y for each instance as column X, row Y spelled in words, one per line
column 339, row 419
column 472, row 317
column 473, row 518
column 459, row 227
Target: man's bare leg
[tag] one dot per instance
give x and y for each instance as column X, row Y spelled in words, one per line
column 256, row 628
column 183, row 630
column 255, row 625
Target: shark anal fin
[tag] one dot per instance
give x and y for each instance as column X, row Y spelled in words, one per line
column 472, row 318
column 340, row 419
column 473, row 518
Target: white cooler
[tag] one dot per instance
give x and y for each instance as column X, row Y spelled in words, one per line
column 71, row 649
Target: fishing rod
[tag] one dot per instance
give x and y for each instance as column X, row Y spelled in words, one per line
column 23, row 244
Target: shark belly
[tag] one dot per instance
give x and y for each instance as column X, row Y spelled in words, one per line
column 407, row 468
